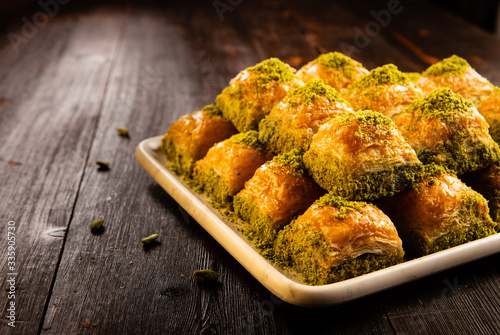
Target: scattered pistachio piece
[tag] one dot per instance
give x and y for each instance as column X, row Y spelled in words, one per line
column 205, row 275
column 149, row 239
column 96, row 225
column 102, row 165
column 122, row 131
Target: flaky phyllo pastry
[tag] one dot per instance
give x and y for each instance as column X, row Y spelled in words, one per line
column 278, row 191
column 189, row 138
column 385, row 90
column 228, row 165
column 337, row 239
column 252, row 94
column 489, row 108
column 361, row 156
column 438, row 213
column 295, row 119
column 456, row 74
column 334, row 68
column 336, row 171
column 446, row 129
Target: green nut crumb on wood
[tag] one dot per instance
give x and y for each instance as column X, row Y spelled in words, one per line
column 122, row 131
column 97, row 225
column 102, row 165
column 205, row 276
column 149, row 239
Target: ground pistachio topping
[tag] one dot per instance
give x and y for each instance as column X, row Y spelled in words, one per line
column 453, row 65
column 249, row 138
column 293, row 160
column 384, row 75
column 441, row 104
column 311, row 91
column 271, row 70
column 369, row 121
column 337, row 61
column 341, row 204
column 212, row 111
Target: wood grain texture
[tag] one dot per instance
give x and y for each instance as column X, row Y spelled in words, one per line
column 94, row 68
column 55, row 87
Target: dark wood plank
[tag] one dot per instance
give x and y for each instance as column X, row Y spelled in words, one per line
column 95, row 280
column 47, row 130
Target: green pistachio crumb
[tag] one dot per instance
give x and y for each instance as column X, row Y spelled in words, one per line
column 383, row 75
column 311, row 91
column 122, row 131
column 337, row 61
column 149, row 239
column 212, row 111
column 271, row 71
column 293, row 160
column 453, row 65
column 103, row 165
column 249, row 138
column 205, row 276
column 97, row 225
column 442, row 104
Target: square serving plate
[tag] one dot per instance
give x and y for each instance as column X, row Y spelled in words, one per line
column 291, row 291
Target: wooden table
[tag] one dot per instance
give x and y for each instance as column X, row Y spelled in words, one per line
column 71, row 73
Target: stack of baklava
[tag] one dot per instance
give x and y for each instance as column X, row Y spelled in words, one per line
column 338, row 171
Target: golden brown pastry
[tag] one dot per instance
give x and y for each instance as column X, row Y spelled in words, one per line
column 336, row 240
column 361, row 156
column 487, row 182
column 455, row 73
column 189, row 138
column 385, row 90
column 228, row 165
column 252, row 94
column 489, row 108
column 446, row 129
column 334, row 68
column 292, row 122
column 439, row 213
column 278, row 191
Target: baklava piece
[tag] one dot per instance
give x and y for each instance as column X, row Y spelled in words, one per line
column 385, row 90
column 361, row 156
column 252, row 94
column 439, row 213
column 189, row 138
column 487, row 182
column 455, row 73
column 334, row 68
column 228, row 165
column 446, row 129
column 292, row 122
column 278, row 191
column 337, row 239
column 490, row 110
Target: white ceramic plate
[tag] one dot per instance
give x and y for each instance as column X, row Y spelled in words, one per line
column 289, row 290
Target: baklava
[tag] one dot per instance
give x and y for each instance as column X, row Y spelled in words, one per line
column 337, row 239
column 189, row 138
column 384, row 89
column 252, row 94
column 292, row 122
column 361, row 156
column 446, row 129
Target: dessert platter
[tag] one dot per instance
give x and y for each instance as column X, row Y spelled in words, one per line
column 334, row 181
